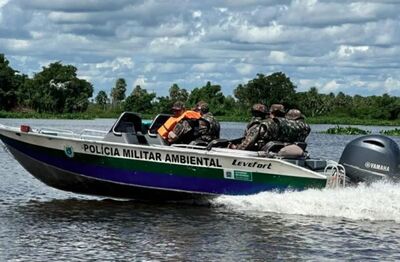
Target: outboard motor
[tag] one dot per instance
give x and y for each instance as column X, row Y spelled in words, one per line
column 372, row 157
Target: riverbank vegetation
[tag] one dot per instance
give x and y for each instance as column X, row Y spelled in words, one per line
column 57, row 92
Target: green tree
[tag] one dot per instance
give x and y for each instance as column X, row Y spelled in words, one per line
column 118, row 91
column 178, row 94
column 230, row 107
column 139, row 100
column 275, row 88
column 8, row 87
column 77, row 95
column 211, row 94
column 57, row 89
column 312, row 103
column 385, row 107
column 102, row 99
column 163, row 105
column 25, row 91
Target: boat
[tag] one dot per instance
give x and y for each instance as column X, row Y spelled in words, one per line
column 132, row 161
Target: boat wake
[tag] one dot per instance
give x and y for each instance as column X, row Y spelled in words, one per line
column 379, row 201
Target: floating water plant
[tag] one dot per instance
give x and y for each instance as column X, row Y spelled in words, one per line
column 391, row 132
column 338, row 130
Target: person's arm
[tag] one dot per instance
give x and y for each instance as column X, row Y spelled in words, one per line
column 204, row 127
column 251, row 138
column 180, row 129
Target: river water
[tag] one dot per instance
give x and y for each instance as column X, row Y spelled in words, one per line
column 38, row 223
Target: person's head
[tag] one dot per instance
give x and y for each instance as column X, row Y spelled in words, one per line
column 178, row 108
column 259, row 110
column 294, row 114
column 201, row 107
column 277, row 110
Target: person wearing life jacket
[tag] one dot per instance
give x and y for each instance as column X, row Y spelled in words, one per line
column 182, row 126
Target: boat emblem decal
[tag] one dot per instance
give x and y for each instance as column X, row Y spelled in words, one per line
column 69, row 151
column 238, row 175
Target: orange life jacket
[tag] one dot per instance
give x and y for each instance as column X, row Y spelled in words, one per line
column 172, row 121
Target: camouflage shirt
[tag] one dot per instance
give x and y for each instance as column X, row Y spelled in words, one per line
column 258, row 133
column 183, row 132
column 209, row 128
column 291, row 131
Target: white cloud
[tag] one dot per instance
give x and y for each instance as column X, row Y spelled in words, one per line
column 18, row 45
column 3, row 3
column 244, row 69
column 347, row 51
column 117, row 64
column 205, row 67
column 331, row 86
column 140, row 81
column 168, row 68
column 391, row 84
column 268, row 34
column 197, row 14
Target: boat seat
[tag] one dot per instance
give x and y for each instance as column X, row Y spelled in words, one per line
column 278, row 149
column 291, row 151
column 156, row 139
column 273, row 146
column 158, row 121
column 223, row 143
column 152, row 135
column 127, row 129
column 315, row 164
column 302, row 145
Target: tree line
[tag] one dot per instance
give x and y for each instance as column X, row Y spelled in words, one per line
column 57, row 89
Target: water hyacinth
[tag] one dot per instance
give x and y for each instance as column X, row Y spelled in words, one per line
column 338, row 130
column 391, row 132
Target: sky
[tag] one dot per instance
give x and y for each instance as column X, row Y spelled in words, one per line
column 334, row 45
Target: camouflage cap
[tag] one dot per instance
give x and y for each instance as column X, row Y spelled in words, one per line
column 259, row 108
column 178, row 105
column 277, row 108
column 202, row 107
column 294, row 114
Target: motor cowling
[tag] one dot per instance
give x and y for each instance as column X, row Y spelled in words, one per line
column 370, row 158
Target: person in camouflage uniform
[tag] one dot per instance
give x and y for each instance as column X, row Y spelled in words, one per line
column 276, row 110
column 292, row 127
column 259, row 131
column 297, row 123
column 209, row 127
